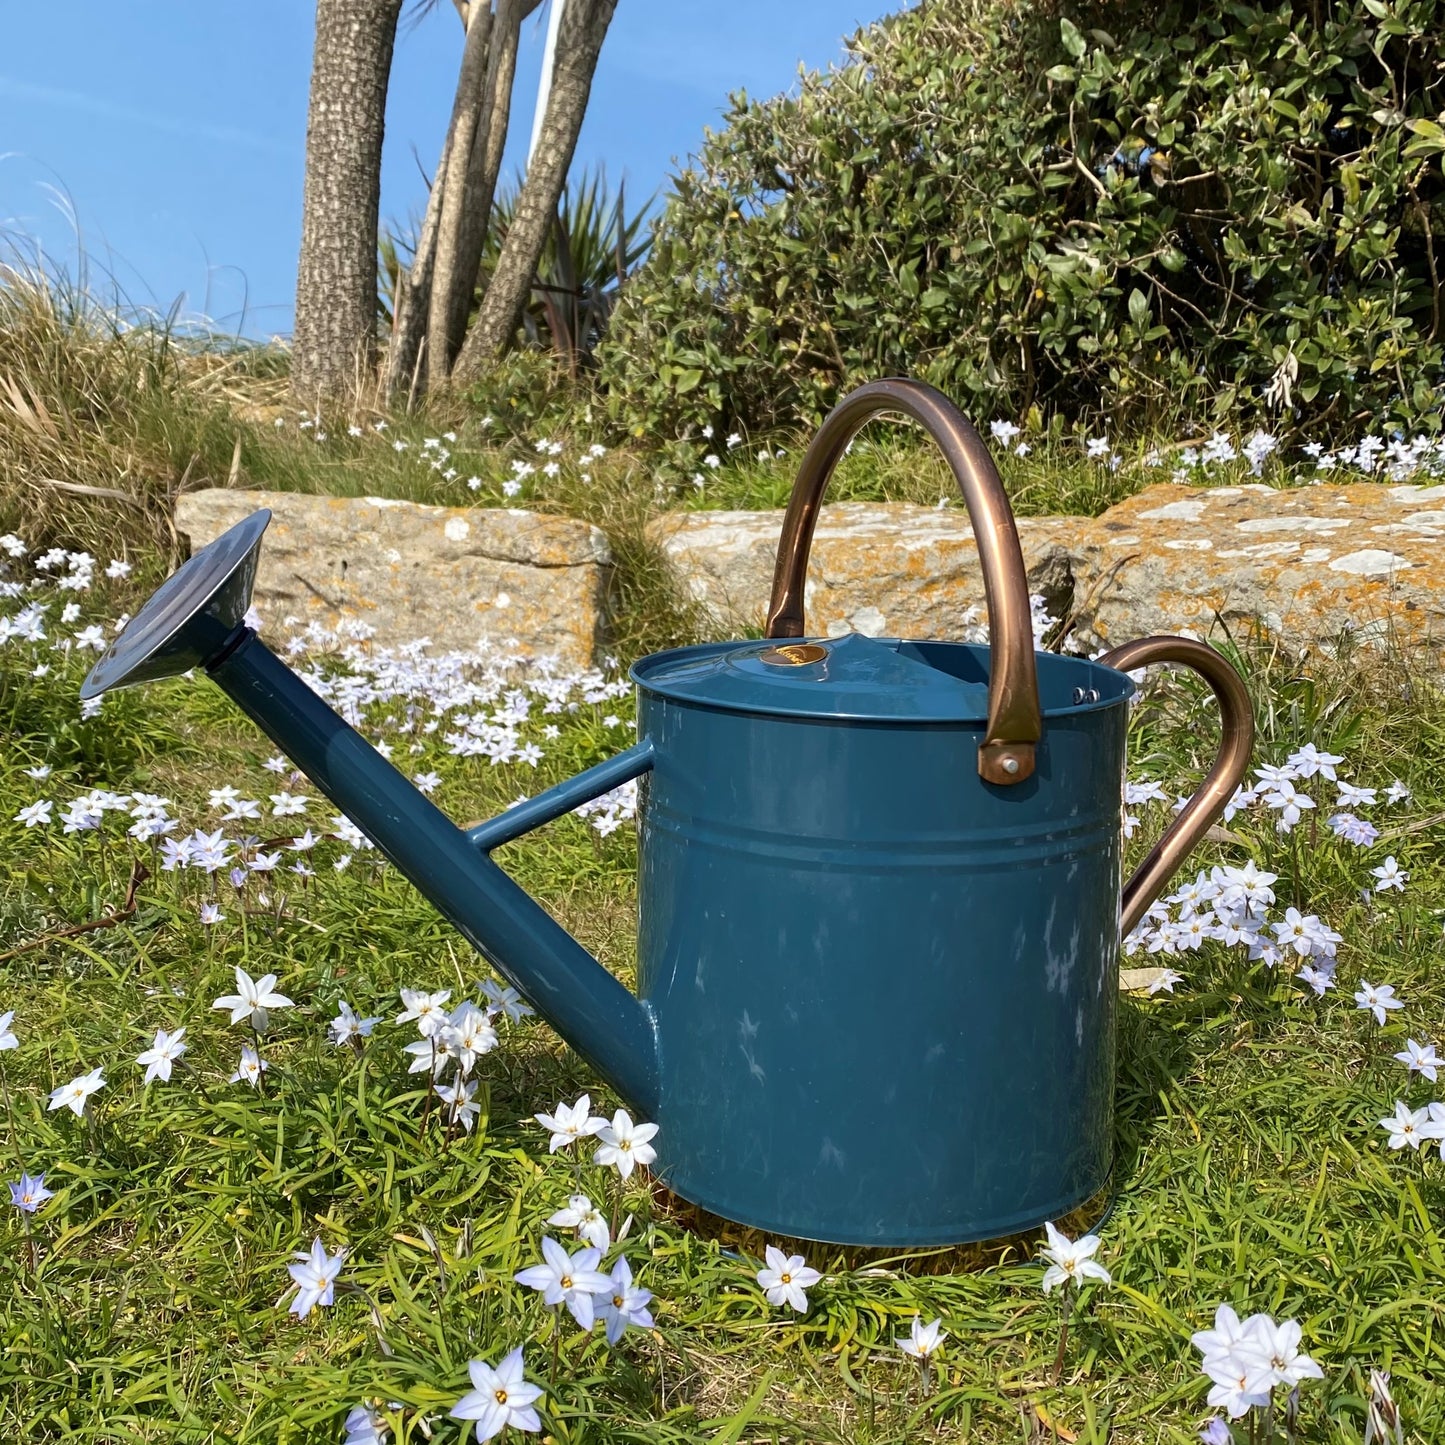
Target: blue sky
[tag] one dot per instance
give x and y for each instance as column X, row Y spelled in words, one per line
column 176, row 128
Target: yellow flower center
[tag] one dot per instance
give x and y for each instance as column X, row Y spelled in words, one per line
column 786, row 1277
column 500, row 1396
column 617, row 1301
column 566, row 1281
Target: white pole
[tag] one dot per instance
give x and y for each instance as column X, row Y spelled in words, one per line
column 544, row 85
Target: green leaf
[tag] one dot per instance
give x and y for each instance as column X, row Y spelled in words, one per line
column 1073, row 38
column 1138, row 308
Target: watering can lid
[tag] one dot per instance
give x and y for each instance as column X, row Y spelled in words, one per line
column 844, row 677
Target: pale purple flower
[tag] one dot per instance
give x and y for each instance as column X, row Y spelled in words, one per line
column 498, row 1398
column 786, row 1278
column 315, row 1276
column 460, row 1098
column 572, row 1280
column 348, row 1028
column 1353, row 797
column 1309, row 760
column 624, row 1304
column 364, row 1426
column 30, row 1193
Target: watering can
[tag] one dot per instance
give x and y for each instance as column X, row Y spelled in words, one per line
column 878, row 886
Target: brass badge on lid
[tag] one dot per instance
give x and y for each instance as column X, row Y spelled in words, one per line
column 793, row 654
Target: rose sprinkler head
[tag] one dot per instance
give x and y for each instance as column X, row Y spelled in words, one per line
column 192, row 619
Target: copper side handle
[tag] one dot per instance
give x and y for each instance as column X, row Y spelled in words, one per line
column 1006, row 754
column 1236, row 716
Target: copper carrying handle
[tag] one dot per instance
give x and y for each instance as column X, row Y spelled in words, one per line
column 1236, row 717
column 1006, row 754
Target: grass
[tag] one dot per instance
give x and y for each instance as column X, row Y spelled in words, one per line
column 1251, row 1166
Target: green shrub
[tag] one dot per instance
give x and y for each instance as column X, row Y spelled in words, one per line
column 1146, row 212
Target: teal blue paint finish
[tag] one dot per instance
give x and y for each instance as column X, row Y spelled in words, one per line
column 863, row 678
column 554, row 802
column 587, row 1006
column 885, row 989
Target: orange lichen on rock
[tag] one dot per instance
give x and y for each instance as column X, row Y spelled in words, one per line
column 454, row 575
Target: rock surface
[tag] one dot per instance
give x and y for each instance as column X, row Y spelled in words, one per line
column 1309, row 564
column 457, row 576
column 882, row 569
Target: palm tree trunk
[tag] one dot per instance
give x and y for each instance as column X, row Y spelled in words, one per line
column 413, row 289
column 334, row 344
column 482, row 174
column 579, row 42
column 471, row 110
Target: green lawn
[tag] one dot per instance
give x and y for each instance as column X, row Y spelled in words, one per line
column 144, row 1299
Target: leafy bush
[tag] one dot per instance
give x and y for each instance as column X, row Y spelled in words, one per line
column 1147, row 211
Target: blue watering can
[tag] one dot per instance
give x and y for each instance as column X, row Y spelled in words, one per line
column 878, row 888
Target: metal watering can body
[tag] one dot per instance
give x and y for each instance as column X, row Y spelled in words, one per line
column 884, row 988
column 879, row 905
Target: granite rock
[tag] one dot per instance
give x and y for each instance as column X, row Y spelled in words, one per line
column 457, row 576
column 882, row 569
column 1308, row 564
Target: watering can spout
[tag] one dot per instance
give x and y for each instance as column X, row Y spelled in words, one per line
column 197, row 619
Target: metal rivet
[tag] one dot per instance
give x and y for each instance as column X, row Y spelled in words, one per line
column 1010, row 766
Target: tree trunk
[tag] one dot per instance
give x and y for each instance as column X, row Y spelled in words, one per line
column 482, row 173
column 579, row 42
column 334, row 344
column 471, row 110
column 413, row 290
